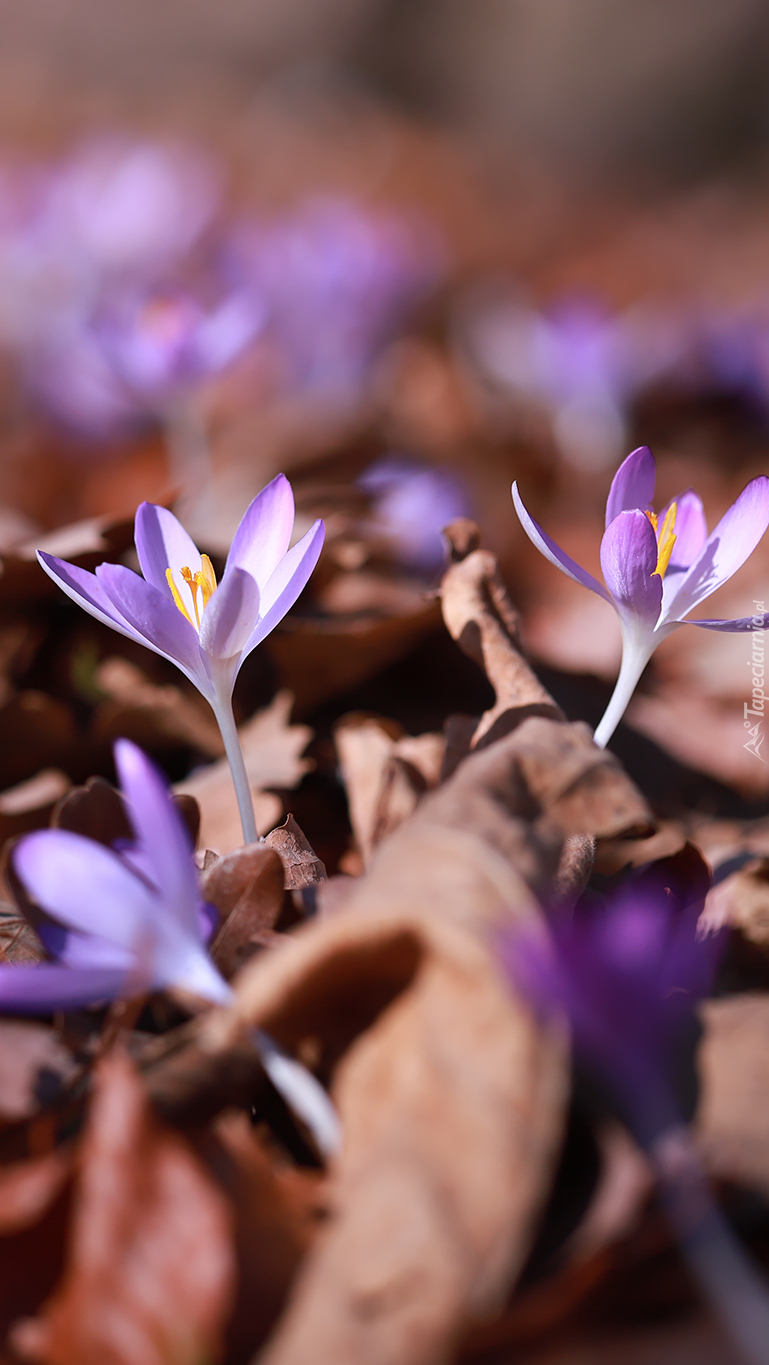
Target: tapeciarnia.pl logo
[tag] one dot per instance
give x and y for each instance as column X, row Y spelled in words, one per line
column 753, row 711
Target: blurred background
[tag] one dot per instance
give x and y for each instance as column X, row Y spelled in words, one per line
column 405, row 250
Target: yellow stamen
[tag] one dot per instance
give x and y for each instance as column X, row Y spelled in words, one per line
column 653, row 519
column 192, row 583
column 177, row 595
column 206, row 579
column 666, row 539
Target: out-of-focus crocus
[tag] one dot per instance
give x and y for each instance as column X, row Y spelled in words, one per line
column 127, row 918
column 337, row 281
column 161, row 344
column 629, row 970
column 628, row 973
column 659, row 568
column 178, row 610
column 412, row 502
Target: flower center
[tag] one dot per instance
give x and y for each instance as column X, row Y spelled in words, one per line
column 666, row 538
column 204, row 579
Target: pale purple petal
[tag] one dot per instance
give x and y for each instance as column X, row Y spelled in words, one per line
column 47, row 987
column 729, row 545
column 264, row 533
column 553, row 552
column 160, row 624
column 690, row 528
column 84, row 589
column 230, row 615
column 162, row 834
column 85, row 885
column 628, row 560
column 632, row 487
column 741, row 623
column 162, row 543
column 288, row 580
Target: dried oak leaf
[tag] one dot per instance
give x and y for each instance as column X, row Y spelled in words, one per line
column 246, row 887
column 741, row 900
column 450, row 1091
column 150, row 1269
column 272, row 749
column 301, row 865
column 149, row 714
column 386, row 772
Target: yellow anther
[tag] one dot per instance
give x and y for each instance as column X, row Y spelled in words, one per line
column 192, row 583
column 177, row 596
column 666, row 539
column 206, row 578
column 653, row 519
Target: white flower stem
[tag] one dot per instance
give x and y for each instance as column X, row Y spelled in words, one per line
column 636, row 652
column 226, row 721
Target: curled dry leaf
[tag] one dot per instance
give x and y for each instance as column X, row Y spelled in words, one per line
column 385, row 772
column 246, row 886
column 301, row 865
column 451, row 1092
column 150, row 1271
column 272, row 749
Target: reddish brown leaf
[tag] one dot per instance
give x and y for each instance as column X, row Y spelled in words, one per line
column 246, row 886
column 150, row 1268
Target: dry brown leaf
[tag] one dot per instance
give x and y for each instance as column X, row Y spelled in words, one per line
column 742, row 902
column 151, row 715
column 35, row 1198
column 18, row 941
column 450, row 1091
column 301, row 865
column 386, row 772
column 246, row 886
column 732, row 1123
column 272, row 749
column 150, row 1268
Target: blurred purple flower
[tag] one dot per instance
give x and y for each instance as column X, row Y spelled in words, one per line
column 337, row 282
column 178, row 610
column 412, row 503
column 658, row 569
column 123, row 919
column 162, row 344
column 629, row 972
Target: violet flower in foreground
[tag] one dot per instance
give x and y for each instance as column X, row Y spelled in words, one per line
column 178, row 610
column 628, row 974
column 659, row 568
column 124, row 919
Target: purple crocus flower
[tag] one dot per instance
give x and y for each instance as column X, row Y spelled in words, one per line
column 178, row 610
column 628, row 970
column 658, row 569
column 121, row 919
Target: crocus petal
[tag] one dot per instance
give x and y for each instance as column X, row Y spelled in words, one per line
column 84, row 589
column 230, row 615
column 288, row 580
column 628, row 560
column 741, row 623
column 264, row 534
column 162, row 543
column 157, row 620
column 690, row 528
column 553, row 552
column 729, row 545
column 47, row 987
column 162, row 834
column 632, row 487
column 85, row 885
